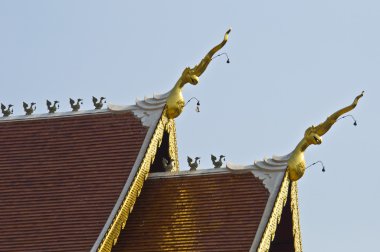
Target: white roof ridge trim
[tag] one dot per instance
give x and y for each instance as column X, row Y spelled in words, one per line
column 147, row 109
column 267, row 170
column 53, row 115
column 157, row 175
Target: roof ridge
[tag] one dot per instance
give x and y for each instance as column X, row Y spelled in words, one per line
column 267, row 170
column 53, row 115
column 187, row 173
column 143, row 109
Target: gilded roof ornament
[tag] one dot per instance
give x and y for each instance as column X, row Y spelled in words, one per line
column 313, row 135
column 52, row 108
column 175, row 102
column 6, row 111
column 29, row 110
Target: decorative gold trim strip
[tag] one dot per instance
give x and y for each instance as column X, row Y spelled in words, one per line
column 126, row 207
column 173, row 149
column 275, row 217
column 295, row 217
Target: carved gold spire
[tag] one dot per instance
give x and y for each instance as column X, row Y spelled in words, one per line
column 175, row 102
column 313, row 135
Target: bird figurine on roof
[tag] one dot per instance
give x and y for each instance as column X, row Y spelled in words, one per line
column 29, row 110
column 75, row 106
column 98, row 104
column 6, row 111
column 52, row 108
column 219, row 163
column 168, row 166
column 193, row 165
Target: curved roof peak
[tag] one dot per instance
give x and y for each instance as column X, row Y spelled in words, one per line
column 269, row 170
column 148, row 109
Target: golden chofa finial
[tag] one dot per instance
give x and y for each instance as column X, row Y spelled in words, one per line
column 175, row 102
column 313, row 135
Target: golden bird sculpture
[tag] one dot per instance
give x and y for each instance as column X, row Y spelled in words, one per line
column 313, row 135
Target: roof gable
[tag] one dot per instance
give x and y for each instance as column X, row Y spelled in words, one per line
column 178, row 211
column 151, row 111
column 73, row 159
column 215, row 211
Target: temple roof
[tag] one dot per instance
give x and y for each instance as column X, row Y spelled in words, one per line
column 70, row 181
column 65, row 175
column 200, row 211
column 225, row 209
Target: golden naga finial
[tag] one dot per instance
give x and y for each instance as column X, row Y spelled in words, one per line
column 175, row 102
column 313, row 135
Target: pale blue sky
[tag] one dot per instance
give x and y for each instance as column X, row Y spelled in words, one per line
column 293, row 63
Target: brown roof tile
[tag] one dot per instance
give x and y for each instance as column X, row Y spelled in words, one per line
column 61, row 176
column 203, row 212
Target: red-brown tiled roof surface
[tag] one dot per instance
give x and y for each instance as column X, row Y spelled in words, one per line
column 60, row 178
column 205, row 212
